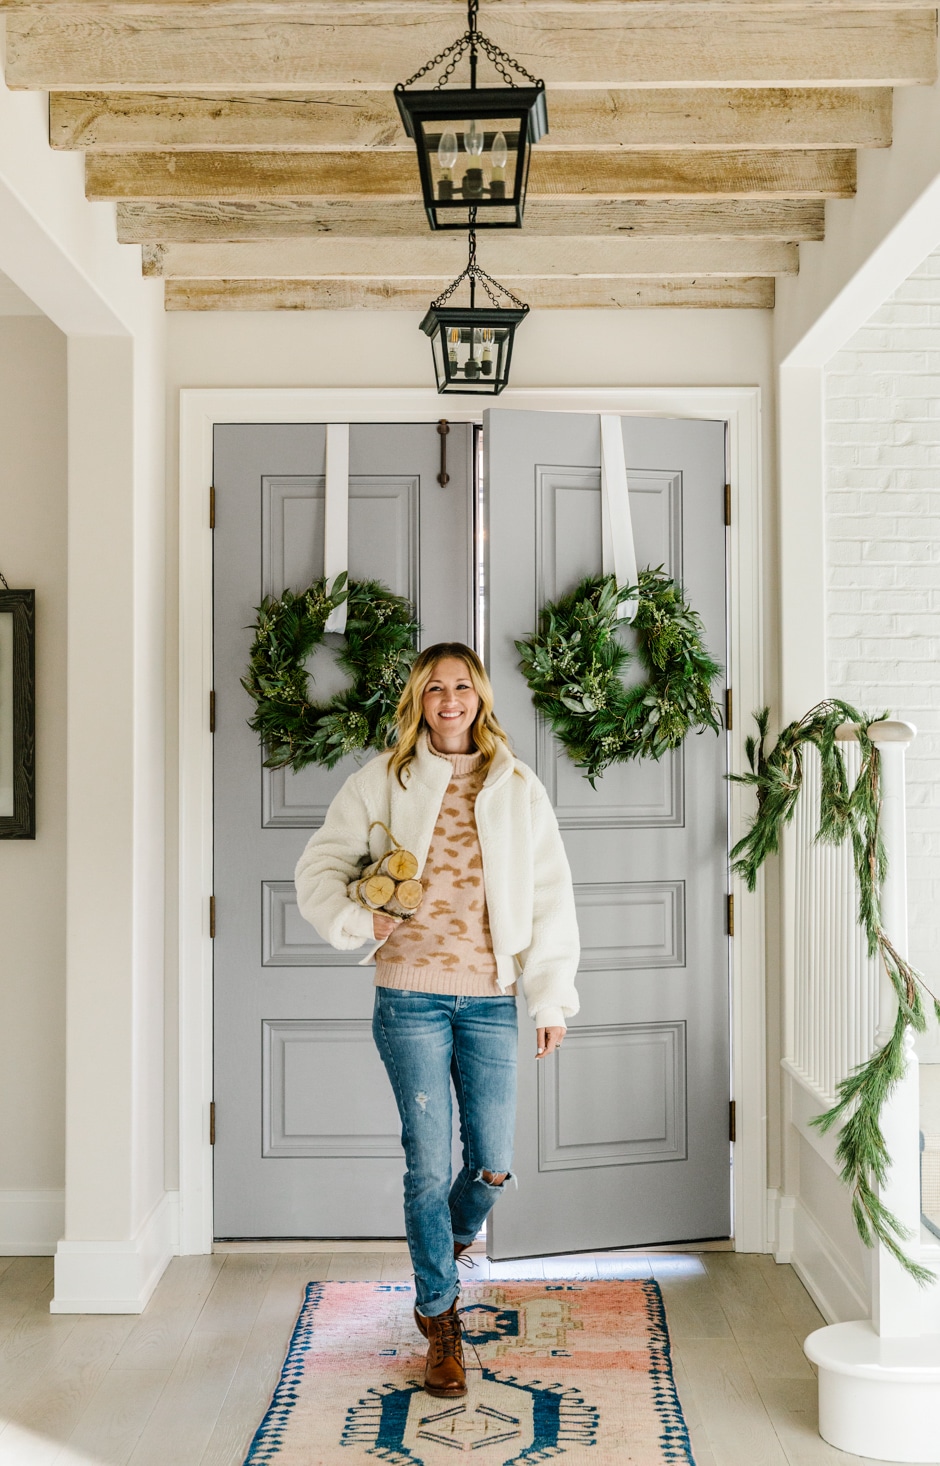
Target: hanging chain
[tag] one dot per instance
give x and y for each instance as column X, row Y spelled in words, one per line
column 445, row 295
column 498, row 56
column 473, row 272
column 469, row 41
column 3, row 579
column 459, row 46
column 483, row 277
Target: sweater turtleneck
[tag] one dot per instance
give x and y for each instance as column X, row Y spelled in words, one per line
column 446, row 946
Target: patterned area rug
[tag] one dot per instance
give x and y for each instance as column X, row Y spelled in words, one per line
column 575, row 1371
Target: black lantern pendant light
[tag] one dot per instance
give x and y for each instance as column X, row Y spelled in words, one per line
column 473, row 344
column 474, row 143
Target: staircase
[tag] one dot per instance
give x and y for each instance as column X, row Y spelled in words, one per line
column 879, row 1358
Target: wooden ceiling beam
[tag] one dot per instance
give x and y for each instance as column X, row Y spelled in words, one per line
column 220, row 221
column 430, row 258
column 790, row 117
column 455, row 10
column 268, row 295
column 574, row 175
column 194, row 46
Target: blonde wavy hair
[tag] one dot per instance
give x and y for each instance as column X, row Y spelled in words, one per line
column 487, row 734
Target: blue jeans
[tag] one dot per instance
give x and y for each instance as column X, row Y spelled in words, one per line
column 426, row 1040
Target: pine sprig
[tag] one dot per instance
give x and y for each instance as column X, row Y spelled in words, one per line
column 379, row 648
column 575, row 662
column 853, row 813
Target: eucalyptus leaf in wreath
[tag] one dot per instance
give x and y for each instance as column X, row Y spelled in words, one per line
column 381, row 635
column 574, row 666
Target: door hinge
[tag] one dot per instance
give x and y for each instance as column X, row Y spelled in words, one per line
column 730, row 916
column 732, row 1123
column 211, row 917
column 212, row 711
column 727, row 503
column 212, row 1122
column 728, row 709
column 212, row 506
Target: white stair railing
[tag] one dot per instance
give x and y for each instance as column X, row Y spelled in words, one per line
column 833, row 1012
column 879, row 1377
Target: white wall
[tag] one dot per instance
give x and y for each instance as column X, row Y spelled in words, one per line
column 883, row 555
column 62, row 253
column 346, row 349
column 33, row 553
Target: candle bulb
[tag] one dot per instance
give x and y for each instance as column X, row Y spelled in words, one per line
column 486, row 360
column 446, row 157
column 500, row 155
column 473, row 141
column 453, row 341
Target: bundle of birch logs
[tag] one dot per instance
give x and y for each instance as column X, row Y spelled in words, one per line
column 389, row 884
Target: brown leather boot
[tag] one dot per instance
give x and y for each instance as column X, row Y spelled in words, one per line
column 444, row 1374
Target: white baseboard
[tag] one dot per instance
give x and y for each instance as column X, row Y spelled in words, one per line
column 115, row 1276
column 31, row 1222
column 836, row 1288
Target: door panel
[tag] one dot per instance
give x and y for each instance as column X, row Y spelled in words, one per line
column 623, row 1135
column 306, row 1127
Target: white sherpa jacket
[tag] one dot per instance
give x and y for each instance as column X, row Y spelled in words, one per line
column 529, row 894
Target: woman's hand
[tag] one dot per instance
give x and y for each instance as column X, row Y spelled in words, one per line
column 383, row 925
column 548, row 1039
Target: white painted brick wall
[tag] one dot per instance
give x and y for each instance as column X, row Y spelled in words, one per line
column 883, row 555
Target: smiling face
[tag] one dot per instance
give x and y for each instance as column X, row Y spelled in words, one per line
column 450, row 705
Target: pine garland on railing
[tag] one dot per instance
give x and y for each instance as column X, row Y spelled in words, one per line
column 845, row 812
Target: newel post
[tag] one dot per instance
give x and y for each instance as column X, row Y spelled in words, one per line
column 897, row 1301
column 879, row 1378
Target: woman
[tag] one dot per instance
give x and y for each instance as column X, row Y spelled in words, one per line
column 498, row 905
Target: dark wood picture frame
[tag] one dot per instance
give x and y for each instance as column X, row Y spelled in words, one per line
column 21, row 824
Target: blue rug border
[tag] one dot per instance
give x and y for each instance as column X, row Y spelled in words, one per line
column 674, row 1440
column 675, row 1435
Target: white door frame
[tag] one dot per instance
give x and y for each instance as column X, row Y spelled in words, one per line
column 200, row 410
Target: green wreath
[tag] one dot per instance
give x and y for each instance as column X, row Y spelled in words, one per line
column 381, row 632
column 575, row 661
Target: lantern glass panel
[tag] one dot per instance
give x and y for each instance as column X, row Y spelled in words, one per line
column 476, row 162
column 474, row 147
column 472, row 355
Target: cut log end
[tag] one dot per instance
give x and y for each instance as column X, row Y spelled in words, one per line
column 374, row 891
column 406, row 900
column 401, row 865
column 408, row 894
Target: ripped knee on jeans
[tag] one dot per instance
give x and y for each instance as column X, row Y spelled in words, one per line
column 494, row 1178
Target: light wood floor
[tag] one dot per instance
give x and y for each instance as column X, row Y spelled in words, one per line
column 186, row 1382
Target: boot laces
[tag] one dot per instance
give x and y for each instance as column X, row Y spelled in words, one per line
column 469, row 1340
column 448, row 1335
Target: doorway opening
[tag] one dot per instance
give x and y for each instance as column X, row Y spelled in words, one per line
column 200, row 412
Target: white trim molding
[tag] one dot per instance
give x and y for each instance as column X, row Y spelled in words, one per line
column 200, row 410
column 117, row 1277
column 31, row 1222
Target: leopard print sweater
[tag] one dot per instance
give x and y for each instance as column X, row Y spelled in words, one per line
column 446, row 946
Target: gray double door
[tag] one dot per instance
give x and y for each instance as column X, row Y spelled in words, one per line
column 307, row 1139
column 623, row 1137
